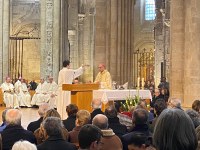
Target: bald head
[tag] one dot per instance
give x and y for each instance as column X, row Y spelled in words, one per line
column 43, row 109
column 100, row 121
column 174, row 103
column 13, row 117
column 96, row 103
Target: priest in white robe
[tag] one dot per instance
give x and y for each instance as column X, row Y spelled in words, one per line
column 9, row 97
column 51, row 93
column 40, row 95
column 66, row 76
column 22, row 93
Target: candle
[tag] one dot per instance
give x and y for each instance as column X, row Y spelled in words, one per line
column 138, row 82
column 142, row 82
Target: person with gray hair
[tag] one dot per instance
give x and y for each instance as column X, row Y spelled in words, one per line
column 14, row 131
column 113, row 121
column 96, row 105
column 24, row 145
column 194, row 117
column 53, row 128
column 41, row 111
column 109, row 138
column 3, row 125
column 174, row 103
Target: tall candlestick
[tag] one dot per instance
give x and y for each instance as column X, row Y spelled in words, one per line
column 138, row 82
column 143, row 83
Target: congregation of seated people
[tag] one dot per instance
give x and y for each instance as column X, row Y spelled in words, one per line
column 172, row 128
column 161, row 125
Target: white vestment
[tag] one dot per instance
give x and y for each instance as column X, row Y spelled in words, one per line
column 22, row 93
column 9, row 97
column 51, row 94
column 66, row 76
column 41, row 94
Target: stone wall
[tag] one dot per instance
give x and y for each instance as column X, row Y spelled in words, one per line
column 25, row 23
column 114, row 38
column 31, row 67
column 185, row 50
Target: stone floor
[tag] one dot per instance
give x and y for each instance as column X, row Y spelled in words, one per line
column 28, row 115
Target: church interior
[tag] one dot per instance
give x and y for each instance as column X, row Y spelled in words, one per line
column 149, row 44
column 132, row 38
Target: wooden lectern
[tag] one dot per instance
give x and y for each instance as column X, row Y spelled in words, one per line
column 81, row 94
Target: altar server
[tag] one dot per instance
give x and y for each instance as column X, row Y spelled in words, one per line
column 41, row 93
column 51, row 92
column 9, row 96
column 66, row 76
column 22, row 93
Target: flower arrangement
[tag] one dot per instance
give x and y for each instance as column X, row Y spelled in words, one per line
column 130, row 103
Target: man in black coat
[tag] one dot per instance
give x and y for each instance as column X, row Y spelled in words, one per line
column 53, row 129
column 140, row 118
column 33, row 85
column 157, row 95
column 96, row 107
column 113, row 121
column 36, row 124
column 163, row 83
column 14, row 131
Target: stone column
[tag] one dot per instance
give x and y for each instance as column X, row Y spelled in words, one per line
column 64, row 43
column 125, row 43
column 100, row 34
column 57, row 45
column 88, row 40
column 159, row 41
column 4, row 37
column 73, row 33
column 51, row 42
column 177, row 48
column 191, row 52
column 114, row 38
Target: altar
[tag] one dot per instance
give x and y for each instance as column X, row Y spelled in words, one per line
column 82, row 95
column 111, row 95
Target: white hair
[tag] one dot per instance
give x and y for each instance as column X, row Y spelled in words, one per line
column 43, row 108
column 96, row 103
column 175, row 102
column 24, row 145
column 13, row 116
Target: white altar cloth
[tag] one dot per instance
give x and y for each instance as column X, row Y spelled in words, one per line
column 110, row 95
